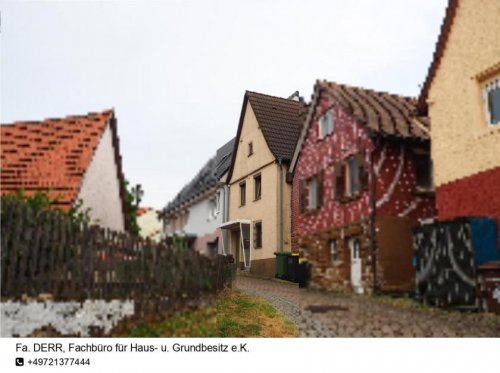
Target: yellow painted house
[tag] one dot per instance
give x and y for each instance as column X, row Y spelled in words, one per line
column 461, row 95
column 259, row 196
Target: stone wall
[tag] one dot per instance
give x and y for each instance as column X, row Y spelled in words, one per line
column 22, row 319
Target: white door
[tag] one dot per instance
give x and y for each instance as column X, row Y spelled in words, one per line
column 355, row 248
column 245, row 243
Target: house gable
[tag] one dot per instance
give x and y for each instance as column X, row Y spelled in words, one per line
column 467, row 59
column 380, row 113
column 100, row 187
column 329, row 215
column 251, row 132
column 322, row 156
column 53, row 156
column 280, row 121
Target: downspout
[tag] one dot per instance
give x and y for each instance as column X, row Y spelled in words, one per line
column 373, row 232
column 280, row 233
column 225, row 218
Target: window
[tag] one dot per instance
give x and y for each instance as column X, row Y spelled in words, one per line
column 423, row 171
column 351, row 177
column 326, row 124
column 250, row 148
column 313, row 189
column 257, row 182
column 333, row 250
column 355, row 247
column 212, row 208
column 257, row 233
column 352, row 186
column 492, row 100
column 218, row 197
column 311, row 193
column 243, row 192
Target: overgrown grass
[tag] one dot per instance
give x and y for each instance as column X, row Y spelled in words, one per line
column 235, row 314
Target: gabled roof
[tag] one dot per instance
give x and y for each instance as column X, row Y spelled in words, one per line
column 205, row 179
column 280, row 120
column 53, row 155
column 384, row 114
column 438, row 53
column 223, row 158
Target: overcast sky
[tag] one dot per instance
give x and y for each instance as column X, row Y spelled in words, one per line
column 176, row 71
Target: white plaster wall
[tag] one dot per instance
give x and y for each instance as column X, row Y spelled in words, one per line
column 100, row 190
column 68, row 318
column 150, row 225
column 199, row 222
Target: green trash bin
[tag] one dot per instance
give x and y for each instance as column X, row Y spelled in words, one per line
column 282, row 265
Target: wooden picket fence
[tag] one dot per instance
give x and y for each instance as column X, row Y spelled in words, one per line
column 46, row 252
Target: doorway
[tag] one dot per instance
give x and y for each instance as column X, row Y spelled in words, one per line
column 355, row 250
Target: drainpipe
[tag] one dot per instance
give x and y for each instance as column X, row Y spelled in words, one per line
column 280, row 233
column 225, row 217
column 373, row 232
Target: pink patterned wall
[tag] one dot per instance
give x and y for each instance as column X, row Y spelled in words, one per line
column 394, row 169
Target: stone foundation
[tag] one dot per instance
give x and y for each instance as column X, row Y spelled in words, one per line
column 336, row 275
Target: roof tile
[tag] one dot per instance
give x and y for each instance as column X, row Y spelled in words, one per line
column 280, row 120
column 52, row 154
column 385, row 113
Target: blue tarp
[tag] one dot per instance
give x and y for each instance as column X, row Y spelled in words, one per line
column 484, row 240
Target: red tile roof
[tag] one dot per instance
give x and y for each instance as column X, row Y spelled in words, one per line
column 142, row 210
column 50, row 155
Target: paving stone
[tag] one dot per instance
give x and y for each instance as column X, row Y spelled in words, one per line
column 365, row 316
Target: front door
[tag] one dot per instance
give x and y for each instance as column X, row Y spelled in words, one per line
column 355, row 249
column 245, row 243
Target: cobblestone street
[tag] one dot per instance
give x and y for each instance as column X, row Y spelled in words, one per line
column 324, row 314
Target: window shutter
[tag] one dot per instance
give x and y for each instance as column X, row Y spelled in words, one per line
column 255, row 239
column 363, row 172
column 319, row 190
column 302, row 201
column 339, row 174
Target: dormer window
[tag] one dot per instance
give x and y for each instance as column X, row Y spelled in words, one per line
column 326, row 124
column 492, row 101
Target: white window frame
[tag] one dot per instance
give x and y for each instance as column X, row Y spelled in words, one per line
column 488, row 87
column 259, row 177
column 326, row 124
column 212, row 208
column 217, row 203
column 312, row 185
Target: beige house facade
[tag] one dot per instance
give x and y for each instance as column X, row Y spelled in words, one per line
column 259, row 196
column 461, row 95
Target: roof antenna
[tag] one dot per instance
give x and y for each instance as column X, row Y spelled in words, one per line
column 296, row 97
